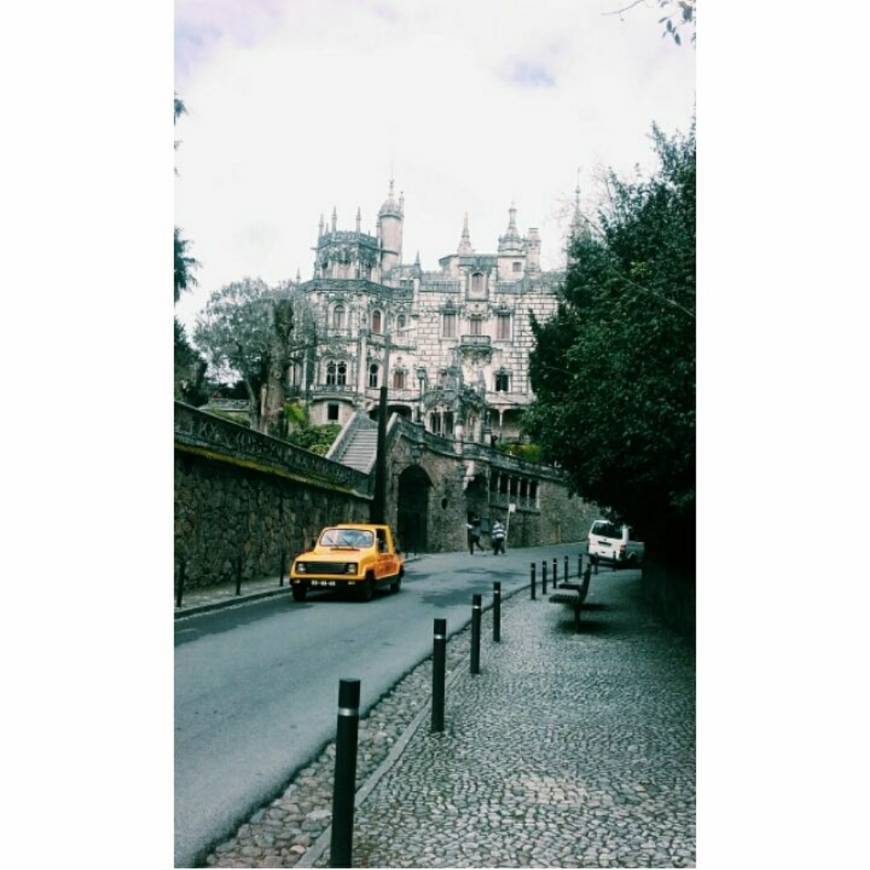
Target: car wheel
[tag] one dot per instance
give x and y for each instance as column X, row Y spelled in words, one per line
column 300, row 590
column 396, row 585
column 368, row 588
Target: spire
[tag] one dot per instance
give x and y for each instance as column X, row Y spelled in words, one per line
column 402, row 201
column 579, row 225
column 510, row 242
column 334, row 218
column 358, row 218
column 298, row 276
column 390, row 205
column 320, row 226
column 465, row 241
column 417, row 259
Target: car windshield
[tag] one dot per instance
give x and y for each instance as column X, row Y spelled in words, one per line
column 346, row 538
column 607, row 530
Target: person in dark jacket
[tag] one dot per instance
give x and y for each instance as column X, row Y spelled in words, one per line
column 473, row 527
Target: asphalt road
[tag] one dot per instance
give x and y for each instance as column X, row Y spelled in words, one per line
column 256, row 686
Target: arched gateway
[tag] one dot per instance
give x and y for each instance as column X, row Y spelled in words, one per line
column 413, row 509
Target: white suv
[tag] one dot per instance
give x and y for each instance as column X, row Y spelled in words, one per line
column 611, row 542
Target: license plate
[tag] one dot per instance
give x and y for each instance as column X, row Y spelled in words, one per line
column 323, row 582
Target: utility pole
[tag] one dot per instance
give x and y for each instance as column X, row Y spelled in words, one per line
column 378, row 512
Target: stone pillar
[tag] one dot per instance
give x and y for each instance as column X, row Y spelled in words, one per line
column 362, row 379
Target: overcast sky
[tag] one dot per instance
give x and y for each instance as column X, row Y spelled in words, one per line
column 296, row 106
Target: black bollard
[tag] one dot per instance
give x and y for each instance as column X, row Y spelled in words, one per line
column 496, row 611
column 439, row 662
column 346, row 735
column 179, row 585
column 239, row 576
column 566, row 569
column 475, row 634
column 555, row 573
column 532, row 566
column 595, row 563
column 283, row 567
column 543, row 576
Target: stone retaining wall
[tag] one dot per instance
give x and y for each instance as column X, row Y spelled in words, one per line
column 223, row 511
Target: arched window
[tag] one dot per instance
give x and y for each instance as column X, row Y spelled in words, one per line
column 377, row 321
column 373, row 375
column 330, row 374
column 399, row 379
column 477, row 283
column 338, row 317
column 342, row 374
column 400, row 321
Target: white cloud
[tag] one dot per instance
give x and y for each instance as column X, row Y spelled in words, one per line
column 310, row 104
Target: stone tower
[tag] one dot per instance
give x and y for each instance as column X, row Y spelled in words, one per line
column 390, row 219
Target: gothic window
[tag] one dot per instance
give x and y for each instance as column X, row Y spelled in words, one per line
column 503, row 327
column 399, row 379
column 373, row 375
column 475, row 325
column 377, row 322
column 448, row 422
column 533, row 492
column 477, row 283
column 332, row 411
column 400, row 321
column 502, row 382
column 435, row 423
column 338, row 317
column 330, row 374
column 342, row 374
column 449, row 325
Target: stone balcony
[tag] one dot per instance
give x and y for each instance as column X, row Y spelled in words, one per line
column 476, row 341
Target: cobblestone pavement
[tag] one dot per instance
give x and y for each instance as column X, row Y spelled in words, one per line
column 279, row 834
column 567, row 750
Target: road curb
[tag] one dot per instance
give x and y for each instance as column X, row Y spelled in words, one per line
column 230, row 602
column 236, row 600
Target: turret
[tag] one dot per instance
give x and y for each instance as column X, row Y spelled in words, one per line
column 511, row 251
column 465, row 248
column 390, row 217
column 533, row 250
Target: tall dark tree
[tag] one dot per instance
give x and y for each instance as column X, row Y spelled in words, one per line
column 190, row 367
column 614, row 370
column 184, row 265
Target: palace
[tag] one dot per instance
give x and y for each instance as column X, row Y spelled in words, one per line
column 452, row 345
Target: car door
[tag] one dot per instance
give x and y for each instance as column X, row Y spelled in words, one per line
column 382, row 566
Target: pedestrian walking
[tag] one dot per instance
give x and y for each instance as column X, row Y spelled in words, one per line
column 473, row 527
column 498, row 538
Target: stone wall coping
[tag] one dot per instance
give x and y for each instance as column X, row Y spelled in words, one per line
column 199, row 431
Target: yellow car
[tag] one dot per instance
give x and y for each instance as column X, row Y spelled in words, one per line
column 359, row 556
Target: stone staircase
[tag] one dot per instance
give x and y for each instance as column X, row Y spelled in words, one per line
column 357, row 446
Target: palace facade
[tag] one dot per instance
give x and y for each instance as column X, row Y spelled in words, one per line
column 451, row 344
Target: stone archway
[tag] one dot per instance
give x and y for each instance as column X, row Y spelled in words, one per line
column 413, row 509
